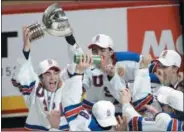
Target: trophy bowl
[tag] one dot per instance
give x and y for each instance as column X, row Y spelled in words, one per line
column 55, row 22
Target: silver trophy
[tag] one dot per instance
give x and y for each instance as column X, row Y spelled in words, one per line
column 54, row 22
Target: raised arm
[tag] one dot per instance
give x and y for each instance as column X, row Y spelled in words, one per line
column 73, row 86
column 73, row 47
column 24, row 76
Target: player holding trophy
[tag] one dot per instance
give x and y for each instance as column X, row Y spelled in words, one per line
column 42, row 90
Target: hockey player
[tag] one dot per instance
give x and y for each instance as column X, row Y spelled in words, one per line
column 172, row 104
column 166, row 96
column 80, row 119
column 166, row 123
column 95, row 81
column 171, row 101
column 141, row 90
column 136, row 122
column 42, row 91
column 169, row 62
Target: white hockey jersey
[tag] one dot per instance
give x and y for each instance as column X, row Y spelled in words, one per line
column 136, row 122
column 97, row 85
column 141, row 91
column 166, row 123
column 72, row 104
column 79, row 118
column 36, row 98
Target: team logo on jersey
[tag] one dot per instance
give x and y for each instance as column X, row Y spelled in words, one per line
column 108, row 113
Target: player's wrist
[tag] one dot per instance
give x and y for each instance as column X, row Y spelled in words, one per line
column 126, row 104
column 80, row 69
column 75, row 74
column 79, row 72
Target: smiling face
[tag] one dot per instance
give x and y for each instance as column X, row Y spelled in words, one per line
column 50, row 79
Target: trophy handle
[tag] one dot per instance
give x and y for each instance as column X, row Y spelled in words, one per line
column 37, row 31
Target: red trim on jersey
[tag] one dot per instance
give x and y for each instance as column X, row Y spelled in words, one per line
column 87, row 107
column 143, row 103
column 174, row 125
column 73, row 111
column 135, row 123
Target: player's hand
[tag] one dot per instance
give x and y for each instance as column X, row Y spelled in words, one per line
column 120, row 71
column 26, row 41
column 109, row 70
column 125, row 96
column 122, row 123
column 54, row 118
column 146, row 60
column 151, row 109
column 85, row 62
